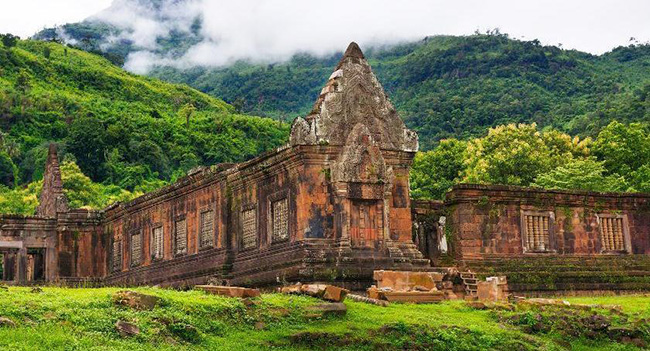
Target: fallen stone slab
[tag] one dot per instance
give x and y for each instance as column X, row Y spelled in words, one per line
column 135, row 300
column 126, row 329
column 6, row 322
column 230, row 291
column 359, row 298
column 406, row 296
column 329, row 309
column 321, row 291
column 407, row 280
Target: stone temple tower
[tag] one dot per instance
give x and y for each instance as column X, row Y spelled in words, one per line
column 371, row 155
column 52, row 199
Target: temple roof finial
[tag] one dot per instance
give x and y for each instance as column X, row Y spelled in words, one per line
column 353, row 50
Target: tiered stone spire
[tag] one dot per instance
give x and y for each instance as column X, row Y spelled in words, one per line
column 352, row 96
column 52, row 198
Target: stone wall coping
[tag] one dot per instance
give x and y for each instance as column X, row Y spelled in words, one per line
column 525, row 192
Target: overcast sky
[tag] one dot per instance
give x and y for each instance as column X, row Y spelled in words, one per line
column 277, row 28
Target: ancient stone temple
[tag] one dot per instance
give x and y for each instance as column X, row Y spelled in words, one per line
column 331, row 205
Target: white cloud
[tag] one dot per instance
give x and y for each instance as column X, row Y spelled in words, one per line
column 26, row 17
column 272, row 30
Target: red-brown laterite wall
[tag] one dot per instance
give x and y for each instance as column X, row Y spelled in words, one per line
column 486, row 220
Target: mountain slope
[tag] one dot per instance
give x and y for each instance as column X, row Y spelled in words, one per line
column 120, row 128
column 444, row 86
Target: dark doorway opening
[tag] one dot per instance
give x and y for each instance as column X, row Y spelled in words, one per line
column 35, row 264
column 8, row 265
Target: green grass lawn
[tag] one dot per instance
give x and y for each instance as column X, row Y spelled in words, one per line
column 84, row 319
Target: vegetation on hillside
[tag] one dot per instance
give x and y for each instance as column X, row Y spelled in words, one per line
column 444, row 86
column 618, row 159
column 121, row 130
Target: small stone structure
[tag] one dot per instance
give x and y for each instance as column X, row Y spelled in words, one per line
column 332, row 205
column 542, row 240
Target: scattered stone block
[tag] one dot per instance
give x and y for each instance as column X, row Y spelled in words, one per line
column 334, row 293
column 406, row 280
column 359, row 298
column 491, row 290
column 450, row 295
column 406, row 296
column 477, row 305
column 6, row 322
column 329, row 309
column 135, row 300
column 230, row 291
column 321, row 291
column 126, row 329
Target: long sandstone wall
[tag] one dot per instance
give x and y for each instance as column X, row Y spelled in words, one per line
column 545, row 241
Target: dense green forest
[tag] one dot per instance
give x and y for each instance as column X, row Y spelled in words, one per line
column 585, row 118
column 443, row 86
column 618, row 159
column 122, row 133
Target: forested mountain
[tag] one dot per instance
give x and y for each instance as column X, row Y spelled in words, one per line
column 120, row 129
column 444, row 86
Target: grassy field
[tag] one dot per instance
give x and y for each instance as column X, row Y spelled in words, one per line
column 84, row 319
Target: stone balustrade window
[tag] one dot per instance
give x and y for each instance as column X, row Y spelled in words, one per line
column 612, row 232
column 157, row 244
column 280, row 219
column 117, row 255
column 536, row 231
column 180, row 237
column 206, row 230
column 249, row 228
column 136, row 248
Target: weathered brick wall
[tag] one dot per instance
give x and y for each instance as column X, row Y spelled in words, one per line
column 244, row 195
column 487, row 220
column 18, row 234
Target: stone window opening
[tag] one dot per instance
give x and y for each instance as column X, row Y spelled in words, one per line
column 136, row 248
column 249, row 228
column 157, row 244
column 206, row 231
column 279, row 220
column 537, row 231
column 613, row 233
column 180, row 237
column 117, row 255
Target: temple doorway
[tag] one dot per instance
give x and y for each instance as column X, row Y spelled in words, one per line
column 9, row 262
column 366, row 223
column 35, row 264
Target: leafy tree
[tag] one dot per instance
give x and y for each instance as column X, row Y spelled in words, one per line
column 516, row 154
column 640, row 179
column 583, row 174
column 186, row 113
column 47, row 52
column 623, row 148
column 87, row 143
column 9, row 40
column 7, row 170
column 23, row 81
column 435, row 172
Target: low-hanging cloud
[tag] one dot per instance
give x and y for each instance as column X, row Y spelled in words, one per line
column 274, row 30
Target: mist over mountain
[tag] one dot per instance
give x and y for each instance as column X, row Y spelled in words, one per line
column 443, row 86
